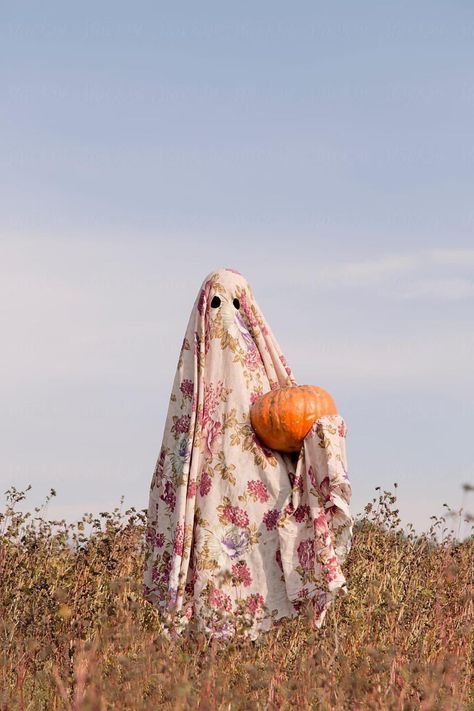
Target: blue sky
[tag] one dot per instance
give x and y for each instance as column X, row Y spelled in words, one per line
column 325, row 151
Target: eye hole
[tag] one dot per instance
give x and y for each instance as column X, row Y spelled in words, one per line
column 215, row 302
column 236, row 303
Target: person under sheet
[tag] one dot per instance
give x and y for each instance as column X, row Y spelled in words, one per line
column 240, row 536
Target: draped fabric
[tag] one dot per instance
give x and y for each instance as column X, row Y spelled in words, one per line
column 240, row 536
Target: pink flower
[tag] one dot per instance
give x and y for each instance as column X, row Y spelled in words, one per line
column 181, row 424
column 255, row 602
column 298, row 483
column 342, row 429
column 153, row 538
column 305, row 552
column 252, row 358
column 258, row 490
column 205, row 484
column 161, row 569
column 218, row 598
column 270, row 519
column 187, row 388
column 212, row 397
column 330, row 569
column 236, row 515
column 169, row 496
column 320, row 522
column 212, row 434
column 191, row 492
column 247, row 310
column 285, row 364
column 242, row 573
column 302, row 512
column 254, row 397
column 178, row 543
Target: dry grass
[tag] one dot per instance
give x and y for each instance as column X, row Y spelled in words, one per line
column 77, row 634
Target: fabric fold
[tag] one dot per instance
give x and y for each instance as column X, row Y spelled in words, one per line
column 316, row 524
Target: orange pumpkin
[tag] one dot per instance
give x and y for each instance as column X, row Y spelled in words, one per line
column 283, row 417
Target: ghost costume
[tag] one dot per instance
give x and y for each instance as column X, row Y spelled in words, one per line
column 240, row 536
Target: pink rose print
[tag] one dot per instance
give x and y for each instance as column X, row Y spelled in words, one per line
column 187, row 388
column 257, row 490
column 153, row 538
column 342, row 429
column 296, row 481
column 255, row 602
column 236, row 515
column 285, row 364
column 249, row 315
column 181, row 424
column 301, row 513
column 218, row 598
column 270, row 519
column 305, row 552
column 205, row 484
column 178, row 543
column 252, row 359
column 254, row 397
column 242, row 573
column 191, row 492
column 212, row 434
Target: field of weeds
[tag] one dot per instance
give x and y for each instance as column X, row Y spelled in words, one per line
column 77, row 634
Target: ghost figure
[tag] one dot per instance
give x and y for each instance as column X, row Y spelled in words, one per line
column 240, row 536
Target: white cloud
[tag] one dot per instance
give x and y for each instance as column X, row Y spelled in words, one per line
column 444, row 289
column 454, row 257
column 368, row 272
column 436, row 274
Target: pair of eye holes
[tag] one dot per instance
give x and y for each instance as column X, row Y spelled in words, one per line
column 216, row 302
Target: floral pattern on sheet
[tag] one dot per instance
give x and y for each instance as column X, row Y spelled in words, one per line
column 240, row 536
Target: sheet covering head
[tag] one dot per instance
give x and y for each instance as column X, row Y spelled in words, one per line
column 240, row 536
